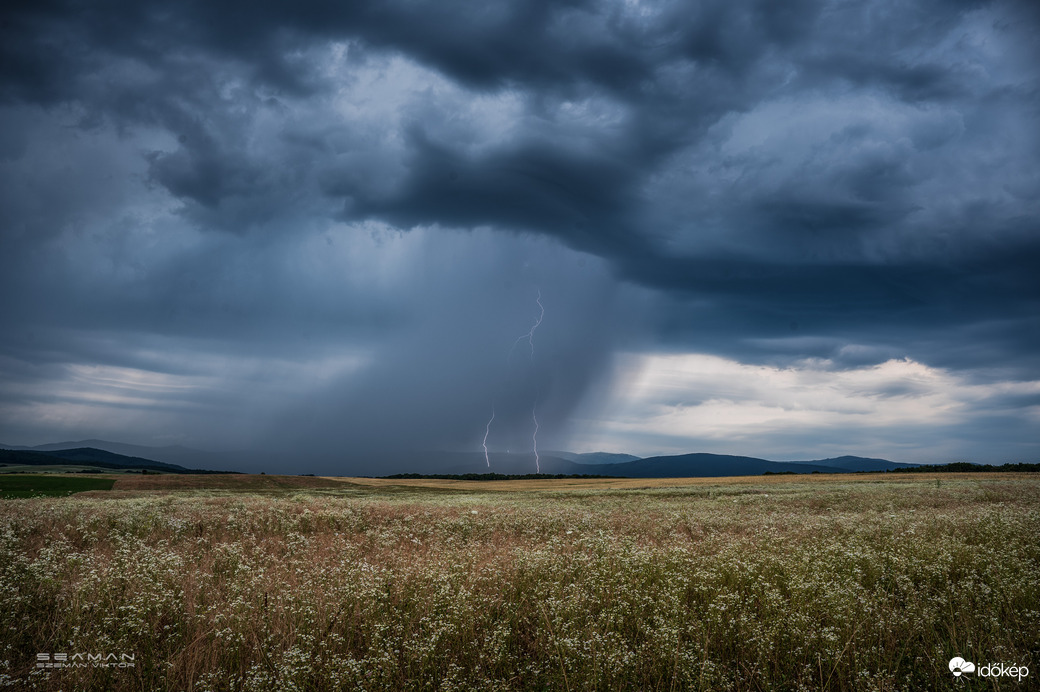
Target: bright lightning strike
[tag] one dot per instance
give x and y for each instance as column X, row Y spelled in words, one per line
column 534, row 406
column 534, row 437
column 529, row 336
column 487, row 431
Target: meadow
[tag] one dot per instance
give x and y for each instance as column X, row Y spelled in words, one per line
column 865, row 582
column 34, row 485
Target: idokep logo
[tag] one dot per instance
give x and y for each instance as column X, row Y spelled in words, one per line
column 959, row 667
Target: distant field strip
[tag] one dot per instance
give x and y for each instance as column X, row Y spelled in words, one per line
column 648, row 483
column 28, row 485
column 230, row 481
column 266, row 583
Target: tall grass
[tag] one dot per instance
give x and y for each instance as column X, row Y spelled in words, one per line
column 784, row 585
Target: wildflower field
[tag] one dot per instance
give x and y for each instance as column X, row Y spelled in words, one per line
column 865, row 582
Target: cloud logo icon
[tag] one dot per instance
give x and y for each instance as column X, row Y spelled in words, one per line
column 958, row 665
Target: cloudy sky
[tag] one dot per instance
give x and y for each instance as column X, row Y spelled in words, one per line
column 789, row 230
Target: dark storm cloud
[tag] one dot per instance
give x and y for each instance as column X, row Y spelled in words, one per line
column 582, row 197
column 483, row 47
column 780, row 181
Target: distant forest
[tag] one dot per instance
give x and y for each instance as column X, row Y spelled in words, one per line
column 964, row 466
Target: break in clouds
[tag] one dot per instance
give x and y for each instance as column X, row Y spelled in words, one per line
column 789, row 230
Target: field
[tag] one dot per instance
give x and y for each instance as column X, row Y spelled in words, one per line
column 867, row 582
column 59, row 468
column 49, row 485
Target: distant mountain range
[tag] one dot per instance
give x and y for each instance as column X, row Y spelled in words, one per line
column 175, row 454
column 104, row 454
column 678, row 466
column 594, row 457
column 85, row 456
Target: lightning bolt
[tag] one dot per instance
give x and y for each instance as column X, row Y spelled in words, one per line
column 487, row 430
column 534, row 438
column 530, row 335
column 534, row 407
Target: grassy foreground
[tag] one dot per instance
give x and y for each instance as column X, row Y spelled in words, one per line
column 786, row 583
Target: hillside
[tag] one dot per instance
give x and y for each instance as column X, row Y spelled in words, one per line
column 85, row 456
column 594, row 457
column 176, row 455
column 677, row 466
column 850, row 463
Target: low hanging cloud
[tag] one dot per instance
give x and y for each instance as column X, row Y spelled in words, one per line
column 811, row 409
column 313, row 227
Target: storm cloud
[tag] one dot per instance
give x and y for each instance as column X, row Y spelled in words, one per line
column 320, row 228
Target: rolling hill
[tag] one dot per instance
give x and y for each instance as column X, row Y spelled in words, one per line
column 677, row 466
column 850, row 463
column 86, row 456
column 593, row 457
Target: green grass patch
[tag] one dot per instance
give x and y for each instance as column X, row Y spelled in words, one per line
column 18, row 485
